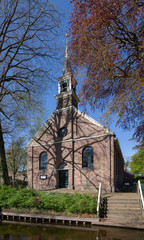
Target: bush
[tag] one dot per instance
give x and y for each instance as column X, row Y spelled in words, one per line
column 73, row 203
column 24, row 198
column 6, row 193
column 27, row 198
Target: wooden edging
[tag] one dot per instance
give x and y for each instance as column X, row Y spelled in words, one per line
column 39, row 218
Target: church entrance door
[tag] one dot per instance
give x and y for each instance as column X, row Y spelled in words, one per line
column 63, row 178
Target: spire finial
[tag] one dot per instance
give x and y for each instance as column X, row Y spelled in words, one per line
column 66, row 52
column 67, row 65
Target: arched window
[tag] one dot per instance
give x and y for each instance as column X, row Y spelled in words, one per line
column 43, row 161
column 87, row 157
column 64, row 87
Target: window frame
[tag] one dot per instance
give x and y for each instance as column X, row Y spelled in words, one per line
column 62, row 132
column 45, row 167
column 86, row 164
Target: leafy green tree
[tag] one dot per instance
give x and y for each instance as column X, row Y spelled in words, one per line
column 137, row 163
column 27, row 45
column 16, row 157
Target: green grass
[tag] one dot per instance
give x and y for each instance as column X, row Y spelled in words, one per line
column 11, row 198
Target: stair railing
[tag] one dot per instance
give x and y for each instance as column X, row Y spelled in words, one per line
column 140, row 193
column 99, row 198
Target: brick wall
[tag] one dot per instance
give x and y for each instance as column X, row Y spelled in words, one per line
column 85, row 133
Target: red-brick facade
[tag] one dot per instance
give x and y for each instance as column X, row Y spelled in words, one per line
column 65, row 154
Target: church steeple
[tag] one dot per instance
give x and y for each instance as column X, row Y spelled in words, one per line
column 67, row 64
column 66, row 85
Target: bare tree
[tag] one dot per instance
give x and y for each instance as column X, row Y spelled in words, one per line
column 27, row 45
column 16, row 157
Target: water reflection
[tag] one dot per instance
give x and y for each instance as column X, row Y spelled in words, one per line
column 36, row 232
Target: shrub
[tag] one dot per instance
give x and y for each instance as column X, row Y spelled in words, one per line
column 28, row 198
column 6, row 193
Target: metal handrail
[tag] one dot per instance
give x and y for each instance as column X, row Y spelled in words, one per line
column 141, row 194
column 99, row 195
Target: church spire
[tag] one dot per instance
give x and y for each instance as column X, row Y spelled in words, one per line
column 67, row 65
column 66, row 96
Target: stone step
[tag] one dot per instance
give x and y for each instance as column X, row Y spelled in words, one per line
column 119, row 205
column 127, row 215
column 131, row 204
column 121, row 195
column 124, row 216
column 123, row 206
column 122, row 200
column 138, row 210
column 124, row 213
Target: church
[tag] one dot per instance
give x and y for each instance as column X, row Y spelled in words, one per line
column 72, row 150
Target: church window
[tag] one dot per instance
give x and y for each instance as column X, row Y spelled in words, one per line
column 87, row 157
column 62, row 132
column 43, row 161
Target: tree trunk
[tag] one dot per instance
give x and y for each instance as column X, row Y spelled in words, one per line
column 13, row 179
column 3, row 158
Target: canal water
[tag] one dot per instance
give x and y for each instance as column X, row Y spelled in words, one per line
column 37, row 232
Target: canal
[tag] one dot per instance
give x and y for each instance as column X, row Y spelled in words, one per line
column 37, row 232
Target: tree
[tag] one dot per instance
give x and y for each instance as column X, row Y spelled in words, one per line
column 137, row 163
column 27, row 45
column 107, row 42
column 37, row 124
column 127, row 163
column 16, row 157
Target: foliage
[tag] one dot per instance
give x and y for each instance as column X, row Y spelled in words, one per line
column 107, row 42
column 16, row 155
column 126, row 164
column 58, row 202
column 137, row 163
column 6, row 193
column 36, row 125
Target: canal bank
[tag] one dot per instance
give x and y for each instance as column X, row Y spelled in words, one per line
column 72, row 221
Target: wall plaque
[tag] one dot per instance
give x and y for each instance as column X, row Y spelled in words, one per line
column 43, row 177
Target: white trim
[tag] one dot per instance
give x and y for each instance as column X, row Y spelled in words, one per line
column 63, row 169
column 99, row 195
column 70, row 140
column 92, row 120
column 141, row 194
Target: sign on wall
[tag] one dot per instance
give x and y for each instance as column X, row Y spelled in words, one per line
column 43, row 177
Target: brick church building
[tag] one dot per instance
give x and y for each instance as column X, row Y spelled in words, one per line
column 72, row 150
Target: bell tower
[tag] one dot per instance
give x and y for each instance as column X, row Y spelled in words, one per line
column 66, row 96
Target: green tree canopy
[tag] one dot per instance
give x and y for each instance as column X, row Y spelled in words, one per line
column 137, row 163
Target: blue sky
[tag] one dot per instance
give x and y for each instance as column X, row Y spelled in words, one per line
column 123, row 136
